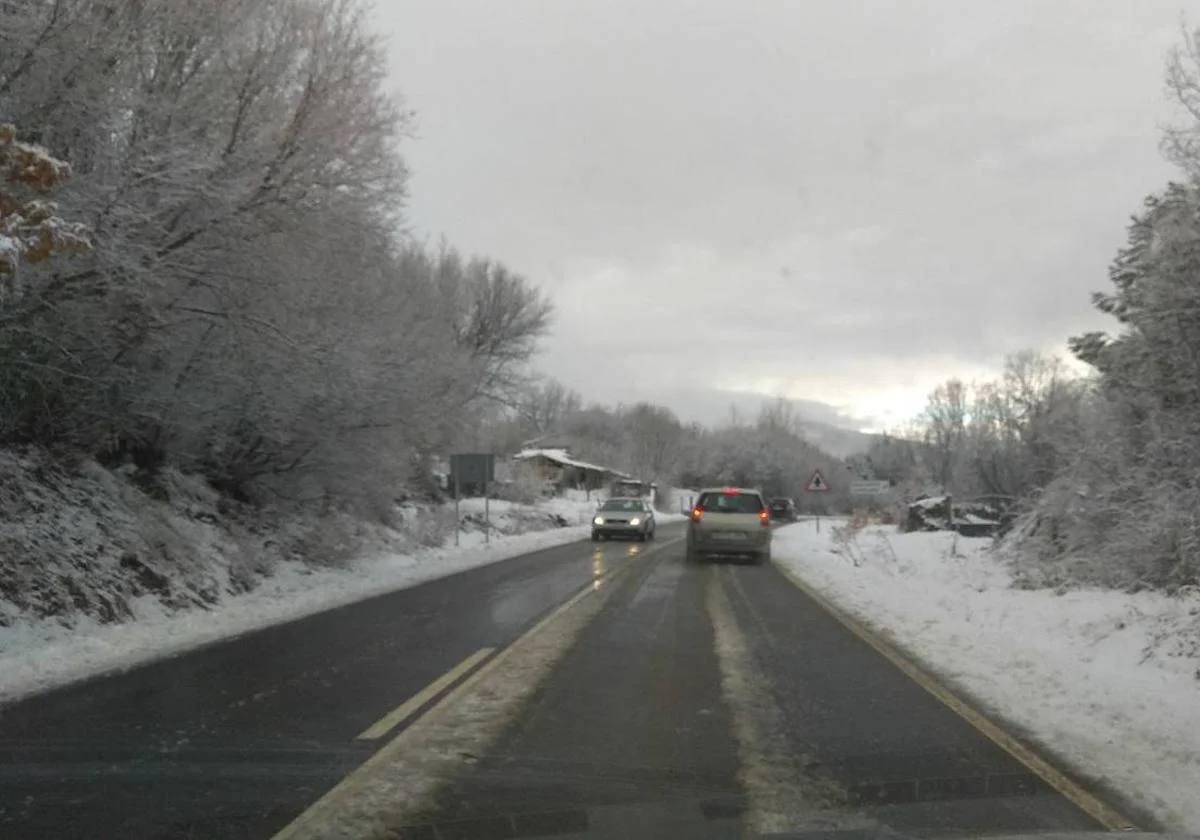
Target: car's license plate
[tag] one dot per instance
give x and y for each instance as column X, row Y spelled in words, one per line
column 732, row 536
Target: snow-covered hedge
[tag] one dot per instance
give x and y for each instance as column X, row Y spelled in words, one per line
column 80, row 542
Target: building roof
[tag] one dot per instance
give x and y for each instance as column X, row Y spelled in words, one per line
column 563, row 458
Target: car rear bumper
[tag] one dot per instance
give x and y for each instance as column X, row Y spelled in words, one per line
column 757, row 543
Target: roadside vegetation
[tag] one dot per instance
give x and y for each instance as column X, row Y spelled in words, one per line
column 1105, row 464
column 207, row 292
column 205, row 272
column 248, row 308
column 205, row 283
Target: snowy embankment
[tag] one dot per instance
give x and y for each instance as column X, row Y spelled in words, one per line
column 1109, row 681
column 36, row 655
column 101, row 570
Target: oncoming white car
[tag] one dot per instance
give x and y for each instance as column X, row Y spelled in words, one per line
column 623, row 517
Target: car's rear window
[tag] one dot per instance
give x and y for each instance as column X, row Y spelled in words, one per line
column 730, row 502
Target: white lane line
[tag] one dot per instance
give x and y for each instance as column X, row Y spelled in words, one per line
column 410, row 706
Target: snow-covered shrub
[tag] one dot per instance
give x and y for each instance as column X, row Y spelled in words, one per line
column 432, row 527
column 330, row 539
column 1076, row 534
column 526, row 486
column 78, row 540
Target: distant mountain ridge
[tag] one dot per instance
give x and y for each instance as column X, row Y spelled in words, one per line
column 836, row 440
column 822, row 424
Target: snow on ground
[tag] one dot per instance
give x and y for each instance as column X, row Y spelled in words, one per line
column 37, row 655
column 1109, row 681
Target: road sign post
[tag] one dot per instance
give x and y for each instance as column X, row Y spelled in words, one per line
column 477, row 469
column 817, row 484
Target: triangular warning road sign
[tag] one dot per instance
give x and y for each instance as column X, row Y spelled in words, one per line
column 817, row 484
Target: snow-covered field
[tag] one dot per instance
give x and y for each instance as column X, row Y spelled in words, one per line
column 36, row 655
column 1109, row 681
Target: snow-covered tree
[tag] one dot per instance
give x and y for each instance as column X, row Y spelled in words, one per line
column 655, row 439
column 944, row 424
column 1130, row 496
column 1122, row 508
column 249, row 308
column 542, row 406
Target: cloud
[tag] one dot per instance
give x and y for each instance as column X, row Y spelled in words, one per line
column 847, row 201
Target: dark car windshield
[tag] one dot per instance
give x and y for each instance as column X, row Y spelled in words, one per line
column 623, row 504
column 730, row 502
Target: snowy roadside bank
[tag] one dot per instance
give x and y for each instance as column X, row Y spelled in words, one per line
column 35, row 656
column 1110, row 681
column 96, row 575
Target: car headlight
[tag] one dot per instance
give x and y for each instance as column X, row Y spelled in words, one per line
column 599, row 520
column 635, row 521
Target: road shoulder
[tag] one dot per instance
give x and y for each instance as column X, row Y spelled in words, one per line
column 869, row 589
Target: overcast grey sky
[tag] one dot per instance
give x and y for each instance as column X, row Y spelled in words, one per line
column 833, row 201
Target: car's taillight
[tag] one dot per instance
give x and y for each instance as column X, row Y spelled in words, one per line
column 764, row 518
column 697, row 514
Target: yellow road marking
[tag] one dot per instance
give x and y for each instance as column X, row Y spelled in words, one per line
column 409, row 707
column 1087, row 802
column 306, row 824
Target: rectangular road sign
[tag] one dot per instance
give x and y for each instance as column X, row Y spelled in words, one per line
column 478, row 468
column 869, row 487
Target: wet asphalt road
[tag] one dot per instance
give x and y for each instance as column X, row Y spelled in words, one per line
column 236, row 739
column 631, row 735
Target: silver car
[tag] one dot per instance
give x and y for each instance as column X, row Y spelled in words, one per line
column 729, row 521
column 624, row 517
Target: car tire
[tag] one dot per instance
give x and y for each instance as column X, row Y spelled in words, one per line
column 650, row 535
column 692, row 557
column 595, row 536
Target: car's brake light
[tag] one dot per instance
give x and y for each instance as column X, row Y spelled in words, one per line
column 764, row 517
column 697, row 513
column 729, row 491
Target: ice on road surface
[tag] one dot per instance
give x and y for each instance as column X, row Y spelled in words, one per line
column 1109, row 681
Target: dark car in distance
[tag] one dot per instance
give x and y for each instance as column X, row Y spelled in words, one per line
column 782, row 509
